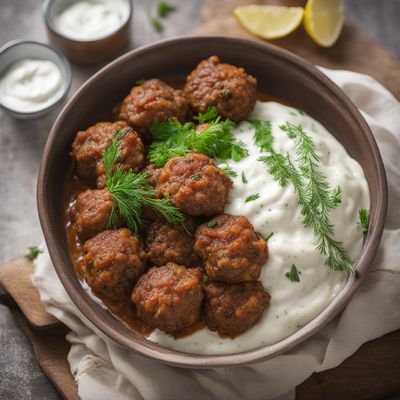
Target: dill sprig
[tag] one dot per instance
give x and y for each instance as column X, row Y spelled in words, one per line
column 316, row 198
column 294, row 274
column 131, row 191
column 229, row 171
column 252, row 197
column 363, row 223
column 172, row 139
column 263, row 133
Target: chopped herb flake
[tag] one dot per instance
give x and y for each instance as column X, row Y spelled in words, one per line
column 163, row 9
column 229, row 171
column 213, row 224
column 244, row 179
column 294, row 274
column 33, row 253
column 268, row 237
column 363, row 223
column 252, row 197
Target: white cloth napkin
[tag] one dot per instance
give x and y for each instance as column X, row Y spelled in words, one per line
column 104, row 370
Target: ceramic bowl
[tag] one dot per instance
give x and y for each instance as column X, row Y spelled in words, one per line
column 280, row 74
column 17, row 50
column 85, row 51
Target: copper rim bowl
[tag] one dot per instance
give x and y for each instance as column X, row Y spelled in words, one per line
column 279, row 73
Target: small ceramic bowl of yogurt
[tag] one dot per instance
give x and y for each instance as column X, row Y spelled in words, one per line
column 34, row 78
column 88, row 31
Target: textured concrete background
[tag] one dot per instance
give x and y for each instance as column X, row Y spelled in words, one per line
column 22, row 142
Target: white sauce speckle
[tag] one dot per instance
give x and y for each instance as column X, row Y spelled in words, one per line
column 31, row 85
column 293, row 304
column 92, row 19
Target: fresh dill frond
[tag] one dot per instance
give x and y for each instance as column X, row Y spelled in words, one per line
column 172, row 139
column 316, row 198
column 131, row 191
column 363, row 223
column 252, row 197
column 33, row 253
column 294, row 274
column 210, row 115
column 229, row 171
column 263, row 137
column 163, row 9
column 244, row 179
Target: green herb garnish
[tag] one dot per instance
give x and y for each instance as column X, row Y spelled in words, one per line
column 210, row 115
column 163, row 9
column 131, row 191
column 244, row 179
column 140, row 82
column 172, row 139
column 155, row 23
column 363, row 223
column 205, row 278
column 213, row 224
column 33, row 253
column 316, row 198
column 228, row 314
column 226, row 93
column 266, row 238
column 294, row 274
column 263, row 134
column 229, row 171
column 252, row 197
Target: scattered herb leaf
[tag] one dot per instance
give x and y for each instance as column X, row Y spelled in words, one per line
column 228, row 314
column 268, row 237
column 213, row 224
column 294, row 274
column 229, row 171
column 163, row 9
column 252, row 197
column 156, row 24
column 190, row 292
column 33, row 253
column 140, row 82
column 244, row 179
column 205, row 278
column 363, row 223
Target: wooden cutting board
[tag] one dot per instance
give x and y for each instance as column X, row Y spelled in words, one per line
column 355, row 50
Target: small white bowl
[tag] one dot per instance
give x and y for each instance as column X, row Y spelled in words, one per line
column 17, row 50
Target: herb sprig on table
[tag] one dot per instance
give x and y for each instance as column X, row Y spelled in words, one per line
column 172, row 139
column 131, row 191
column 315, row 196
column 163, row 10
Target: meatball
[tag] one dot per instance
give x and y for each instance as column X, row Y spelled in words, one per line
column 169, row 297
column 150, row 103
column 194, row 184
column 89, row 145
column 172, row 243
column 232, row 309
column 232, row 251
column 154, row 173
column 90, row 212
column 113, row 262
column 224, row 86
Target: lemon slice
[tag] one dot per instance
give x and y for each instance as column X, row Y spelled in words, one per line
column 323, row 20
column 269, row 22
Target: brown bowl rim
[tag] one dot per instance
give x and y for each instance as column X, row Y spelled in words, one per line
column 187, row 360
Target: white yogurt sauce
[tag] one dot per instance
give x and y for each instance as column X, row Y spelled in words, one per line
column 293, row 304
column 92, row 19
column 31, row 85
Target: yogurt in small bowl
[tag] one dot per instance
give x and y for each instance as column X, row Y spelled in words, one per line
column 34, row 78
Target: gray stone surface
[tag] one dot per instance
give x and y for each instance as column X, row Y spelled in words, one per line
column 21, row 145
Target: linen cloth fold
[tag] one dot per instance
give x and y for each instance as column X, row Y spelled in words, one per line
column 104, row 370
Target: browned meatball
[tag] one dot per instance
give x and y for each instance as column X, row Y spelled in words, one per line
column 194, row 184
column 171, row 243
column 154, row 173
column 89, row 145
column 150, row 103
column 232, row 251
column 224, row 86
column 233, row 309
column 113, row 262
column 91, row 211
column 169, row 297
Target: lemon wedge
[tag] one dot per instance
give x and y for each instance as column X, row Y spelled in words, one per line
column 323, row 20
column 269, row 22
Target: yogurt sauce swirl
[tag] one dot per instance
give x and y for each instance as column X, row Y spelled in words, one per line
column 31, row 85
column 92, row 19
column 277, row 211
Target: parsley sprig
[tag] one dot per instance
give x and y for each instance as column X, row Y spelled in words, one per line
column 172, row 139
column 316, row 198
column 131, row 191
